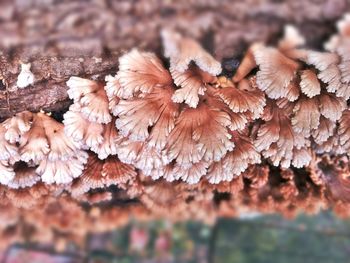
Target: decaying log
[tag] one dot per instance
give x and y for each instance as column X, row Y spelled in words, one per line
column 84, row 38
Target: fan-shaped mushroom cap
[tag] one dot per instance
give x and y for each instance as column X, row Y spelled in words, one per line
column 337, row 74
column 238, row 120
column 331, row 145
column 301, row 157
column 46, row 145
column 7, row 150
column 243, row 98
column 217, row 173
column 199, row 133
column 102, row 173
column 158, row 172
column 181, row 51
column 61, row 146
column 275, row 73
column 45, row 138
column 243, row 155
column 145, row 158
column 149, row 160
column 79, row 87
column 332, row 76
column 192, row 83
column 84, row 132
column 277, row 140
column 138, row 72
column 322, row 60
column 34, row 145
column 324, row 130
column 306, row 116
column 110, row 142
column 117, row 173
column 100, row 138
column 62, row 172
column 331, row 106
column 268, row 133
column 309, row 83
column 160, row 116
column 235, row 162
column 17, row 125
column 91, row 178
column 91, row 97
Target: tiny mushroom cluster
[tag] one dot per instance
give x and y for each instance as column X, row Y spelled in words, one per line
column 174, row 135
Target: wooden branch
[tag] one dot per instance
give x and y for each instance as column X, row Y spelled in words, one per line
column 84, row 38
column 49, row 92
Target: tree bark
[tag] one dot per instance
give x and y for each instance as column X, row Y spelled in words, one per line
column 85, row 37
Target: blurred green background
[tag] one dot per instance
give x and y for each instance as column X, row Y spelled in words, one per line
column 252, row 239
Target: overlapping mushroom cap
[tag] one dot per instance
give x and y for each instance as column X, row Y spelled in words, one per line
column 298, row 81
column 278, row 67
column 333, row 71
column 88, row 120
column 186, row 123
column 35, row 147
column 178, row 123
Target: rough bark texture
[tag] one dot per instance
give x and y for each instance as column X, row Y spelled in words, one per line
column 85, row 38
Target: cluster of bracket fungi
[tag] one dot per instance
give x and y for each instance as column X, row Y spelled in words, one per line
column 184, row 141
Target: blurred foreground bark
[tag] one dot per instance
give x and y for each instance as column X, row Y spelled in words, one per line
column 85, row 37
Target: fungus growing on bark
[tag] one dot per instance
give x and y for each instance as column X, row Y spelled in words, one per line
column 280, row 73
column 179, row 112
column 185, row 142
column 160, row 116
column 277, row 140
column 41, row 143
column 235, row 162
column 87, row 133
column 313, row 109
column 334, row 65
column 88, row 120
column 309, row 83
